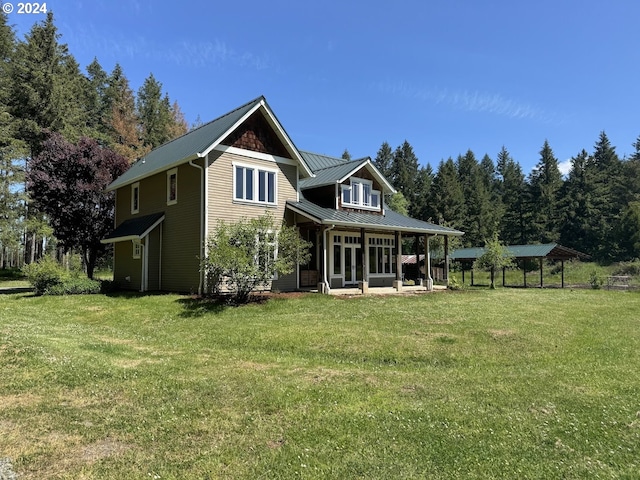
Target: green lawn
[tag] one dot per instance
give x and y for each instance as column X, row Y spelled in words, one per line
column 509, row 383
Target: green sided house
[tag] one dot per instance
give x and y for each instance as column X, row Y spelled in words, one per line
column 242, row 165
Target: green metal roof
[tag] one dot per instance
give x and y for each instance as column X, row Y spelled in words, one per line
column 317, row 161
column 332, row 175
column 195, row 144
column 134, row 228
column 391, row 221
column 545, row 250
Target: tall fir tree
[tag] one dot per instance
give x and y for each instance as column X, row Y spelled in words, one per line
column 446, row 199
column 384, row 159
column 479, row 223
column 154, row 112
column 123, row 125
column 579, row 217
column 12, row 152
column 404, row 171
column 545, row 182
column 511, row 191
column 606, row 169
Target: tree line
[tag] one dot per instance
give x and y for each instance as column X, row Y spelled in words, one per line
column 595, row 209
column 50, row 112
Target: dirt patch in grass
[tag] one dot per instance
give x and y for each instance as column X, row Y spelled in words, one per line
column 501, row 334
column 21, row 400
column 102, row 449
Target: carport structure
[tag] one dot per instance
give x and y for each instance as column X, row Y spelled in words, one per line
column 522, row 253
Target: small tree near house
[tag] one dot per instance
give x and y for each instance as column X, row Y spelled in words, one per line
column 249, row 254
column 495, row 256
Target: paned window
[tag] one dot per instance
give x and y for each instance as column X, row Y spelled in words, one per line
column 382, row 255
column 256, row 185
column 360, row 193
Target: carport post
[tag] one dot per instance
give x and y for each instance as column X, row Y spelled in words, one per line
column 562, row 269
column 541, row 285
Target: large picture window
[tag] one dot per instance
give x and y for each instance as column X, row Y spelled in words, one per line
column 382, row 256
column 360, row 193
column 254, row 184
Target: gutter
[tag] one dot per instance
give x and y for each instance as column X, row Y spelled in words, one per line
column 202, row 175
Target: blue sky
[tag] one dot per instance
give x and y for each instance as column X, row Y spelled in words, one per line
column 447, row 76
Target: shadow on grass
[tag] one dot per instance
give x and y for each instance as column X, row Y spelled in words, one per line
column 15, row 290
column 199, row 306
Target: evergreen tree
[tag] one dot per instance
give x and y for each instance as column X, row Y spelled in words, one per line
column 424, row 182
column 384, row 160
column 154, row 112
column 511, row 191
column 404, row 171
column 123, row 125
column 98, row 112
column 578, row 208
column 478, row 223
column 179, row 125
column 12, row 152
column 447, row 199
column 545, row 182
column 346, row 155
column 606, row 169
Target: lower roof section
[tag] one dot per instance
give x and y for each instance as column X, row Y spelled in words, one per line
column 545, row 250
column 390, row 221
column 135, row 228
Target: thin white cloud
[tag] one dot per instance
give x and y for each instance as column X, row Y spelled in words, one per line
column 471, row 101
column 181, row 53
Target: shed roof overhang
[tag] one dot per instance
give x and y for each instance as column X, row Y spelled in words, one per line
column 552, row 251
column 134, row 228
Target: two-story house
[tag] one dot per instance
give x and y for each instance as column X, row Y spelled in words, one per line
column 239, row 166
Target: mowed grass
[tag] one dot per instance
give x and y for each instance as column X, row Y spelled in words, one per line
column 509, row 383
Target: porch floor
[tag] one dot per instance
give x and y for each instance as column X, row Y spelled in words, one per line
column 406, row 290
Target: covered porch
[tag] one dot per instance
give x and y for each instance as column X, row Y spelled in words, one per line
column 360, row 252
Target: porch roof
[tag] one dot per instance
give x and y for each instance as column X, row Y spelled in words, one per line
column 391, row 221
column 134, row 228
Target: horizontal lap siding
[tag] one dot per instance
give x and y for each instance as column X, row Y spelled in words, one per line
column 223, row 207
column 180, row 230
column 125, row 266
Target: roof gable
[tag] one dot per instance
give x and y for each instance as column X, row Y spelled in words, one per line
column 199, row 142
column 329, row 171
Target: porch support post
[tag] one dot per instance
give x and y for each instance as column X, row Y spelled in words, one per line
column 397, row 283
column 427, row 263
column 364, row 282
column 541, row 284
column 417, row 245
column 446, row 259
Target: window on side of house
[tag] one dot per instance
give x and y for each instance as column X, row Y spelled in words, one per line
column 255, row 184
column 137, row 249
column 267, row 252
column 135, row 197
column 172, row 186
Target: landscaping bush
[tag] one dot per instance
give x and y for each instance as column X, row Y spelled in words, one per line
column 75, row 286
column 48, row 277
column 595, row 280
column 44, row 274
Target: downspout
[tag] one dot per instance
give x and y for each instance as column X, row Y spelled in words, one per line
column 325, row 242
column 202, row 175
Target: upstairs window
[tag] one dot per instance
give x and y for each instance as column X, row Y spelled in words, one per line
column 172, row 186
column 135, row 197
column 360, row 193
column 254, row 184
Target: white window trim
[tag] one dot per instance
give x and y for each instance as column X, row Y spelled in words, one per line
column 360, row 204
column 135, row 186
column 256, row 169
column 136, row 249
column 274, row 244
column 173, row 171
